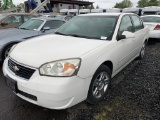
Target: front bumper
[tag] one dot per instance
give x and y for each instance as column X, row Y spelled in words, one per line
column 51, row 92
column 154, row 34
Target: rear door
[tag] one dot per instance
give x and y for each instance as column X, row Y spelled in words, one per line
column 140, row 33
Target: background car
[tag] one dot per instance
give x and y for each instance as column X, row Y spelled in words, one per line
column 153, row 22
column 31, row 28
column 62, row 17
column 12, row 20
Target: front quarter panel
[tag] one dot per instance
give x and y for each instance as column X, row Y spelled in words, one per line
column 92, row 60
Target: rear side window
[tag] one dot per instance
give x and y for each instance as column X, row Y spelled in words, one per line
column 54, row 24
column 126, row 25
column 138, row 25
column 15, row 19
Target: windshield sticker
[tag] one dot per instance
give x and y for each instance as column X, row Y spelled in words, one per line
column 103, row 38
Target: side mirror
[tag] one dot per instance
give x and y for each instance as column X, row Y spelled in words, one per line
column 126, row 35
column 45, row 29
column 129, row 34
column 3, row 23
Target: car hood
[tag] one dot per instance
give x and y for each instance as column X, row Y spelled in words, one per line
column 16, row 34
column 47, row 48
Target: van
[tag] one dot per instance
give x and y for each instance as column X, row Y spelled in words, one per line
column 73, row 12
column 64, row 12
column 97, row 11
column 137, row 11
column 152, row 10
column 84, row 11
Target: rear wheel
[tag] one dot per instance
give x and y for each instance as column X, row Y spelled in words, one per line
column 99, row 85
column 142, row 52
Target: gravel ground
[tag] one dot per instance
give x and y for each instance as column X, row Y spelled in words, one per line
column 134, row 94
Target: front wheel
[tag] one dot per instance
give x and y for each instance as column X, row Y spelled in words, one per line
column 5, row 52
column 99, row 85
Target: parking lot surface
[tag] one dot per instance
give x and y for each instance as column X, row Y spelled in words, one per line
column 134, row 94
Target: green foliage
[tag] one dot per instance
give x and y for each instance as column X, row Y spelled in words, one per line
column 124, row 4
column 145, row 3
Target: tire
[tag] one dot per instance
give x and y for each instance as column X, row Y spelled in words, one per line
column 100, row 84
column 142, row 52
column 6, row 51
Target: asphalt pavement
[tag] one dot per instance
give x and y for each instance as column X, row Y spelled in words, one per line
column 134, row 94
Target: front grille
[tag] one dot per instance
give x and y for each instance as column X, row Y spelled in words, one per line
column 19, row 70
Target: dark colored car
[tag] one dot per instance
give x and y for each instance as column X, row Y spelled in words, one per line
column 12, row 20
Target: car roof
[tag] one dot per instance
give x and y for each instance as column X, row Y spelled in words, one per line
column 15, row 14
column 151, row 16
column 105, row 14
column 47, row 18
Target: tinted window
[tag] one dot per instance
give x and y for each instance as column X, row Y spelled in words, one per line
column 151, row 19
column 138, row 25
column 126, row 25
column 32, row 24
column 97, row 27
column 2, row 16
column 149, row 13
column 54, row 24
column 16, row 19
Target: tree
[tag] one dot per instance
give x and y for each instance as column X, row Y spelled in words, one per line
column 153, row 3
column 124, row 4
column 97, row 7
column 143, row 3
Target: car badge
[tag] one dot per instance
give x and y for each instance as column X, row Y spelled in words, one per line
column 15, row 68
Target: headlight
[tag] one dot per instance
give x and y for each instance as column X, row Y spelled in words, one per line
column 12, row 49
column 59, row 68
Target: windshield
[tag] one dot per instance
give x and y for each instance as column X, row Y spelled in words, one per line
column 2, row 16
column 94, row 27
column 151, row 19
column 32, row 24
column 149, row 13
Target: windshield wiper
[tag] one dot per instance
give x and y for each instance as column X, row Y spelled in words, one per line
column 81, row 36
column 60, row 33
column 24, row 28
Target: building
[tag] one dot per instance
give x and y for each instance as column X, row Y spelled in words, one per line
column 69, row 4
column 56, row 5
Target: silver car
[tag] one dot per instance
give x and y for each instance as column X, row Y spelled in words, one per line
column 31, row 28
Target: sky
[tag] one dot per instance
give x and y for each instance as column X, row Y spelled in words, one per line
column 100, row 3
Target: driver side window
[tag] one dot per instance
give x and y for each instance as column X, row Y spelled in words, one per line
column 126, row 25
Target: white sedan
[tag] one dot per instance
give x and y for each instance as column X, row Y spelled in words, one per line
column 77, row 63
column 153, row 22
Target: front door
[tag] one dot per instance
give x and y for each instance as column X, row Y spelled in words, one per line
column 125, row 47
